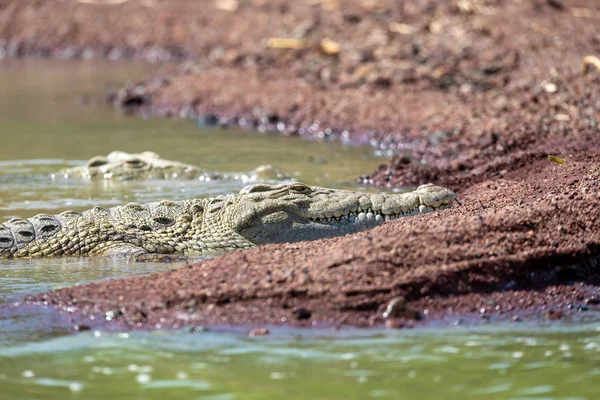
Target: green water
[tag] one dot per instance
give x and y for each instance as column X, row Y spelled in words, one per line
column 46, row 125
column 486, row 364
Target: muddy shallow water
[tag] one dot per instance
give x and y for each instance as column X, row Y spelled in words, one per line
column 47, row 124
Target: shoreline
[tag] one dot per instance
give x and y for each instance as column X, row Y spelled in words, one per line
column 532, row 256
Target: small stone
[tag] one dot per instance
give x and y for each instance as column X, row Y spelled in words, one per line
column 227, row 5
column 382, row 81
column 592, row 301
column 82, row 327
column 198, row 328
column 516, row 318
column 207, row 121
column 550, row 87
column 556, row 4
column 329, row 47
column 395, row 323
column 553, row 315
column 397, row 308
column 301, row 313
column 259, row 332
column 376, row 320
column 139, row 316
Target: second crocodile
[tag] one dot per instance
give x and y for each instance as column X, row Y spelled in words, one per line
column 121, row 165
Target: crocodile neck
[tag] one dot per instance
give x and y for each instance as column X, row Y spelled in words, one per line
column 189, row 227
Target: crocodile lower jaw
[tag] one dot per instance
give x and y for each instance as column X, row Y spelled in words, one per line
column 377, row 216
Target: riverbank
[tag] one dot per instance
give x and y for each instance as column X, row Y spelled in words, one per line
column 525, row 245
column 474, row 95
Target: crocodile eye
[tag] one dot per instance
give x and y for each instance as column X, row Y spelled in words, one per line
column 258, row 187
column 300, row 188
column 134, row 163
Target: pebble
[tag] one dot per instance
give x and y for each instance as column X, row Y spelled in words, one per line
column 259, row 332
column 397, row 308
column 550, row 87
column 81, row 327
column 592, row 301
column 301, row 313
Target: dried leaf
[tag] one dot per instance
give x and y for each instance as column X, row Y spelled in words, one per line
column 403, row 29
column 326, row 4
column 584, row 13
column 227, row 5
column 556, row 159
column 285, row 43
column 330, row 47
column 589, row 62
column 435, row 27
column 465, row 7
column 103, row 2
column 362, row 71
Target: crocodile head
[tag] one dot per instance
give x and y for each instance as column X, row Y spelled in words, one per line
column 126, row 166
column 294, row 212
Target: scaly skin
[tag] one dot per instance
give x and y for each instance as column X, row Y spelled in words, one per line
column 259, row 214
column 148, row 165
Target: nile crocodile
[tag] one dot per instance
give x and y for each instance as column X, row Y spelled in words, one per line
column 258, row 214
column 149, row 165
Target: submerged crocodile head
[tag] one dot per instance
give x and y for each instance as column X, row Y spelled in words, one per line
column 126, row 166
column 294, row 212
column 120, row 165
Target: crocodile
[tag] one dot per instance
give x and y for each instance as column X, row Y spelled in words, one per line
column 121, row 165
column 258, row 214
